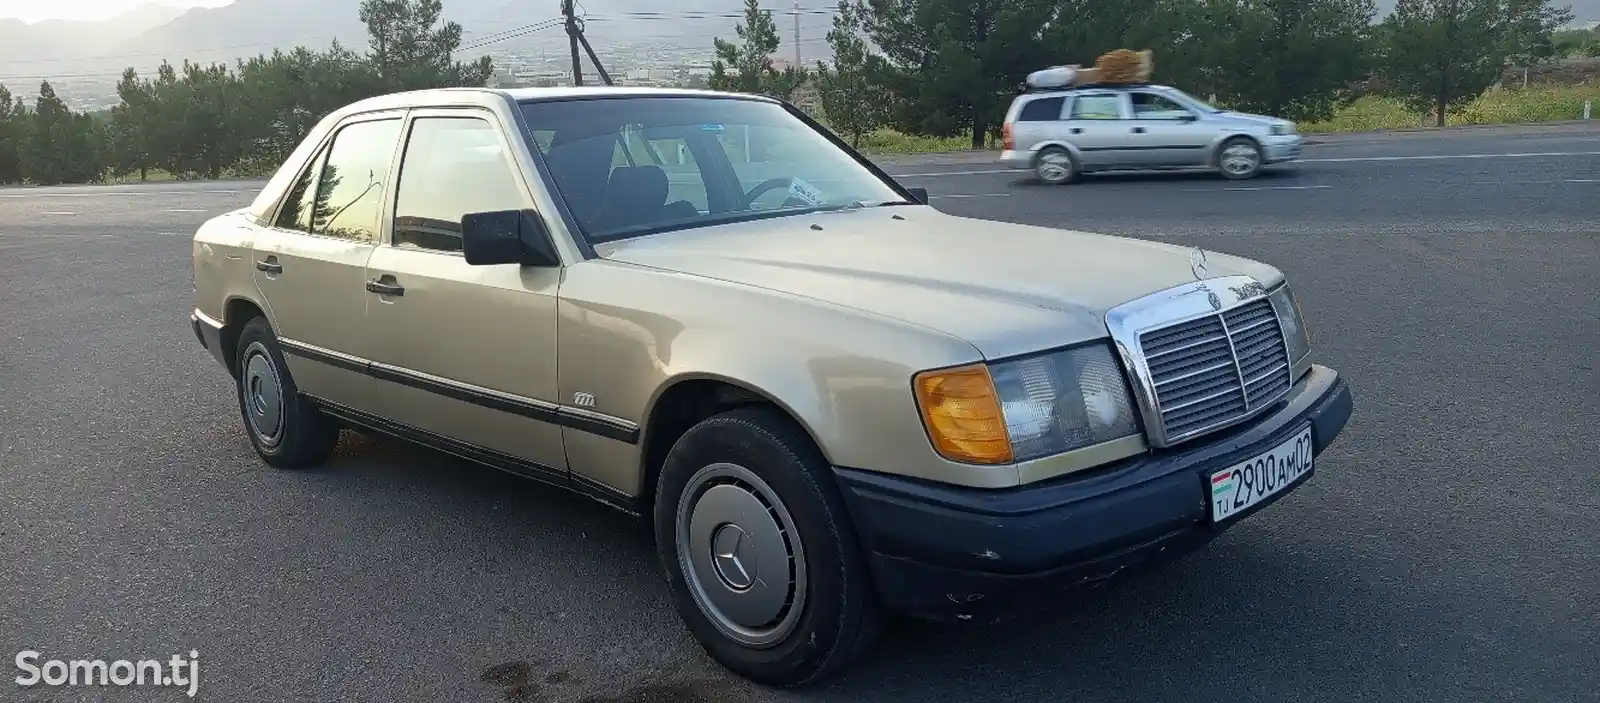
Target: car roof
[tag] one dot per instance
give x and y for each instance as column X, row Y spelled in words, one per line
column 436, row 97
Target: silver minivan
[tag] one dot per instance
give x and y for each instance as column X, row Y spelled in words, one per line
column 1059, row 133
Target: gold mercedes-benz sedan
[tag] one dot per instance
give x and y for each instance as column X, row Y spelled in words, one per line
column 831, row 401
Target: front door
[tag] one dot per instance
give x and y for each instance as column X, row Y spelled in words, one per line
column 311, row 266
column 1169, row 134
column 466, row 354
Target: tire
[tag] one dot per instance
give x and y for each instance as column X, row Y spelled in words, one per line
column 1239, row 158
column 1055, row 166
column 285, row 429
column 725, row 487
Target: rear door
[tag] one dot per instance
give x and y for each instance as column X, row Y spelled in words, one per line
column 1097, row 124
column 464, row 353
column 310, row 268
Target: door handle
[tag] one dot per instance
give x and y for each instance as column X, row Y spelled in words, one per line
column 269, row 265
column 1076, row 130
column 381, row 287
column 1138, row 130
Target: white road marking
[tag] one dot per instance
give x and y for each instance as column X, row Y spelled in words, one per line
column 1268, row 188
column 1583, row 180
column 959, row 173
column 973, row 195
column 1443, row 157
column 1328, row 160
column 96, row 194
column 183, row 210
column 59, row 212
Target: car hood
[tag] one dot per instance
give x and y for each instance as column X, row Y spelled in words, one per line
column 1254, row 119
column 1005, row 288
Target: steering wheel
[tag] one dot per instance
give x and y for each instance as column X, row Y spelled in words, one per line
column 762, row 188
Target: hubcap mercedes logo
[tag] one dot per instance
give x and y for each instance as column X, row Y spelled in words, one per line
column 727, row 549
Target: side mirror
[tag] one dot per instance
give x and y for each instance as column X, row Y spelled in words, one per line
column 507, row 237
column 919, row 194
column 1187, row 118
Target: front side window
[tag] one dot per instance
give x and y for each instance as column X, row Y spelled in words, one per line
column 1103, row 106
column 351, row 191
column 628, row 167
column 1152, row 106
column 452, row 166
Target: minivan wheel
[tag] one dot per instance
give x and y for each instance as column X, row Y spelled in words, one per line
column 285, row 429
column 1239, row 158
column 1054, row 166
column 760, row 555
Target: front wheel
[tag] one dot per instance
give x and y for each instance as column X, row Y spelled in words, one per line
column 1239, row 158
column 760, row 554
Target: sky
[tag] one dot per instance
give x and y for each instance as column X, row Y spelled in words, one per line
column 36, row 10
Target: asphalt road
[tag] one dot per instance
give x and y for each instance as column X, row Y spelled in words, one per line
column 1448, row 549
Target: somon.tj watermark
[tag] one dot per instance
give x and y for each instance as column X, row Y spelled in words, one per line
column 176, row 671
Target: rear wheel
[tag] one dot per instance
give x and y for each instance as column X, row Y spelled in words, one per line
column 1239, row 158
column 1054, row 166
column 286, row 430
column 762, row 560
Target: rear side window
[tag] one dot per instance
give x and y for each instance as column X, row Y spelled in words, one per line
column 350, row 193
column 1097, row 107
column 453, row 166
column 1041, row 110
column 301, row 202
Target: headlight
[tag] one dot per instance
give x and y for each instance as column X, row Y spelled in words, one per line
column 1282, row 129
column 1027, row 408
column 1295, row 335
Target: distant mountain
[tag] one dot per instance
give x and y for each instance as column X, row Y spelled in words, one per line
column 29, row 52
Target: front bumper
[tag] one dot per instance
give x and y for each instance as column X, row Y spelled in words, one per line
column 1278, row 149
column 209, row 332
column 943, row 552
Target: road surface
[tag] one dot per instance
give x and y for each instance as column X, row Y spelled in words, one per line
column 1446, row 550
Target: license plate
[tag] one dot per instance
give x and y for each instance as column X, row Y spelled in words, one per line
column 1258, row 478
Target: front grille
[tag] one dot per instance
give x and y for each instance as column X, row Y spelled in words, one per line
column 1215, row 369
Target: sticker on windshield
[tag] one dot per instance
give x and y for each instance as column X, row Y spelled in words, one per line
column 711, row 128
column 802, row 190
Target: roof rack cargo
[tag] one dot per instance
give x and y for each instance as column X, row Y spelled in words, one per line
column 1028, row 90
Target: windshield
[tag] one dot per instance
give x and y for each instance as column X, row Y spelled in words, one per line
column 633, row 166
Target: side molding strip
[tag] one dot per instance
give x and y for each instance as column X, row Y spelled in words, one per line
column 579, row 419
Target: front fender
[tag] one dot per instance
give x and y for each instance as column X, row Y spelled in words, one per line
column 628, row 334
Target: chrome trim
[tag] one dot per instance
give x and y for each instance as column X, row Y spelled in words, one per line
column 208, row 320
column 314, row 350
column 381, row 370
column 1177, row 305
column 598, row 417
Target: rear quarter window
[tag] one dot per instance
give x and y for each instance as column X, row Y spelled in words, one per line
column 1041, row 110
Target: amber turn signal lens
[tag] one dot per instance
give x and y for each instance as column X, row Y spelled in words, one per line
column 962, row 413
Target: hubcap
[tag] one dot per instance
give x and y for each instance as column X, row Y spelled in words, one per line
column 741, row 555
column 262, row 395
column 1239, row 159
column 1055, row 166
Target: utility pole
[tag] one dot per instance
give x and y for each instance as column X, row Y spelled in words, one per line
column 574, row 38
column 796, row 35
